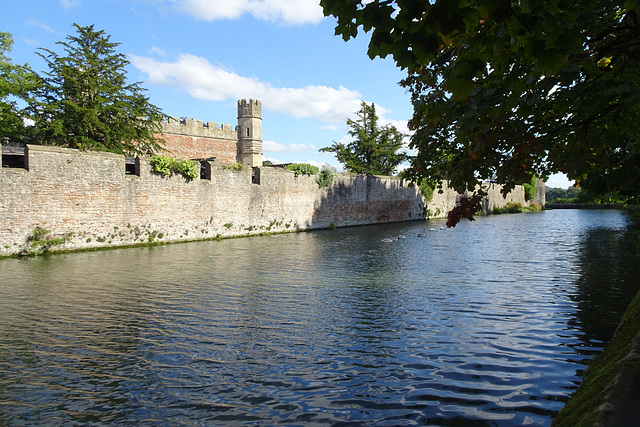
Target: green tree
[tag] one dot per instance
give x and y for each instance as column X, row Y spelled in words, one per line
column 554, row 193
column 504, row 90
column 573, row 192
column 374, row 150
column 86, row 102
column 16, row 83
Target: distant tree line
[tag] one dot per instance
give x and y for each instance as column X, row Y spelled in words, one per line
column 559, row 195
column 578, row 195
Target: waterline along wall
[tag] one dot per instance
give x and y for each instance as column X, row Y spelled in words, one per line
column 82, row 200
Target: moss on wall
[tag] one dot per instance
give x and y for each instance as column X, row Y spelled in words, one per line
column 609, row 394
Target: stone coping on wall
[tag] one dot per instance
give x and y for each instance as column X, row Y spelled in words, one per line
column 71, row 151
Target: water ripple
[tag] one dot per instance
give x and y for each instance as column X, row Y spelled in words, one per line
column 470, row 326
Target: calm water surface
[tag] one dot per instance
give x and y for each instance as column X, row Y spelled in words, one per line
column 490, row 323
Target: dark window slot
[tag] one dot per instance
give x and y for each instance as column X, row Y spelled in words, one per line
column 13, row 157
column 132, row 166
column 205, row 167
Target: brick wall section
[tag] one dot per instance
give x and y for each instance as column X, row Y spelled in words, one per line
column 190, row 147
column 193, row 139
column 87, row 197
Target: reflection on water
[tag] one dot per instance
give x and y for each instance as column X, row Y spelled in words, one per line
column 490, row 323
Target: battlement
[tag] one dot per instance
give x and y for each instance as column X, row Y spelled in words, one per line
column 198, row 128
column 194, row 139
column 251, row 108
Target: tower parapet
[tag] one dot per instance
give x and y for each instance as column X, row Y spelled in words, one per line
column 250, row 132
column 251, row 108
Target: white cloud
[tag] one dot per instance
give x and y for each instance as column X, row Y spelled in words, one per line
column 155, row 50
column 205, row 81
column 315, row 163
column 559, row 180
column 401, row 125
column 68, row 4
column 346, row 139
column 330, row 127
column 280, row 148
column 288, row 12
column 31, row 22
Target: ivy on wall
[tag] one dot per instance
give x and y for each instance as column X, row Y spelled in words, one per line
column 164, row 165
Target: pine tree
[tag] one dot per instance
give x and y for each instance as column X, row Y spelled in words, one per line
column 86, row 103
column 374, row 150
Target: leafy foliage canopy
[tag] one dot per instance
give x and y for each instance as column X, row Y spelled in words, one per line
column 302, row 169
column 503, row 90
column 164, row 165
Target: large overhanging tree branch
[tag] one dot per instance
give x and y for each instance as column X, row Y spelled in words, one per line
column 503, row 90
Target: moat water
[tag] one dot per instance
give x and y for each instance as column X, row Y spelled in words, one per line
column 490, row 323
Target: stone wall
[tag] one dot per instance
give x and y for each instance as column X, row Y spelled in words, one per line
column 87, row 200
column 443, row 202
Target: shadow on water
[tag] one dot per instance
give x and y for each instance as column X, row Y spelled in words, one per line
column 608, row 271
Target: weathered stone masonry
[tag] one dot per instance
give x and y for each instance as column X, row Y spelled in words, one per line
column 89, row 199
column 193, row 139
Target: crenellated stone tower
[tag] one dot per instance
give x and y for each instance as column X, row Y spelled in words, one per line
column 250, row 132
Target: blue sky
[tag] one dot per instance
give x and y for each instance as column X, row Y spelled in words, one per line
column 196, row 58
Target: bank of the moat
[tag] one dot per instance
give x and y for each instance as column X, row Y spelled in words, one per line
column 609, row 395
